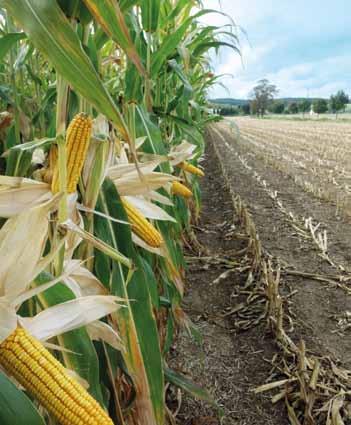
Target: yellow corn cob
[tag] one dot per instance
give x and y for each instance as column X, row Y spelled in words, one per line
column 49, row 171
column 77, row 143
column 45, row 378
column 181, row 190
column 145, row 230
column 191, row 168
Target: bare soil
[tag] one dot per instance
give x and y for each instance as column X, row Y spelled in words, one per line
column 232, row 364
column 315, row 304
column 229, row 364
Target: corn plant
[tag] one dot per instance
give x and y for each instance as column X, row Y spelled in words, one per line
column 104, row 107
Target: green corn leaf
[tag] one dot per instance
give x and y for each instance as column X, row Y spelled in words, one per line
column 133, row 90
column 204, row 47
column 127, row 4
column 172, row 40
column 152, row 283
column 136, row 322
column 100, row 38
column 189, row 130
column 167, row 47
column 180, row 73
column 5, row 94
column 186, row 91
column 31, row 74
column 111, row 19
column 178, row 8
column 24, row 53
column 150, row 10
column 170, row 293
column 76, row 9
column 49, row 30
column 18, row 162
column 15, row 406
column 10, row 138
column 82, row 358
column 185, row 384
column 154, row 143
column 44, row 144
column 9, row 40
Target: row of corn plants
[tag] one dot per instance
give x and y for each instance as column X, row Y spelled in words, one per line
column 103, row 110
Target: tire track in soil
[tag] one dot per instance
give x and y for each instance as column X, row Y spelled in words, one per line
column 228, row 364
column 314, row 304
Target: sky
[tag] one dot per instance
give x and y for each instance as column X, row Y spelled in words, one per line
column 302, row 46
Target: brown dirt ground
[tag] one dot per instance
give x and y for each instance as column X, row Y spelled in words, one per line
column 315, row 304
column 228, row 363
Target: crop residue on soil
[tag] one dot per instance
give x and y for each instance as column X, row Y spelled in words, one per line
column 230, row 364
column 315, row 304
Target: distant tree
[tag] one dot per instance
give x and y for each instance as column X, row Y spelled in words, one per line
column 245, row 109
column 333, row 105
column 254, row 107
column 320, row 106
column 338, row 102
column 343, row 99
column 263, row 94
column 293, row 108
column 226, row 110
column 277, row 107
column 304, row 106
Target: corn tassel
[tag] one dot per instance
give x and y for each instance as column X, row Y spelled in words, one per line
column 181, row 190
column 45, row 378
column 77, row 143
column 145, row 230
column 186, row 166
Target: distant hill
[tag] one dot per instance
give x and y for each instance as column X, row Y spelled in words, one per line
column 297, row 99
column 229, row 101
column 240, row 102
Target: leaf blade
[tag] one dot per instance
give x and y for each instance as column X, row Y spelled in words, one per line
column 51, row 33
column 108, row 13
column 15, row 406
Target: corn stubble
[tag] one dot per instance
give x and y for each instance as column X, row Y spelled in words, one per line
column 313, row 387
column 320, row 151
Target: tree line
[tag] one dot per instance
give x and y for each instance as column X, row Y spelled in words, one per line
column 263, row 94
column 262, row 100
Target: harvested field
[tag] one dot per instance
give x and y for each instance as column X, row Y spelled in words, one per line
column 228, row 362
column 315, row 154
column 305, row 333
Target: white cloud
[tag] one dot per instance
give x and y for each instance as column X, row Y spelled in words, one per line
column 250, row 57
column 316, row 79
column 288, row 47
column 239, row 84
column 243, row 12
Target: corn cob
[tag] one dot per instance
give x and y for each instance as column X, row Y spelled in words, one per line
column 52, row 161
column 77, row 143
column 145, row 230
column 186, row 166
column 45, row 378
column 181, row 190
